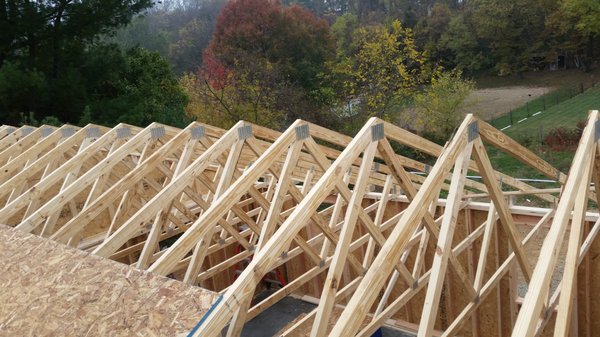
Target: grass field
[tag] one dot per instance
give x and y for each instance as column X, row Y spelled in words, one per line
column 542, row 103
column 530, row 131
column 565, row 114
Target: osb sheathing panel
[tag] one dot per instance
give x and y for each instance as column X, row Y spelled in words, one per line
column 48, row 289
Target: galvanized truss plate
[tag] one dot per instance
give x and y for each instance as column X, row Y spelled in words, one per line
column 92, row 132
column 377, row 132
column 67, row 132
column 244, row 132
column 473, row 131
column 197, row 132
column 302, row 132
column 10, row 130
column 157, row 132
column 123, row 132
column 26, row 131
column 46, row 131
column 596, row 130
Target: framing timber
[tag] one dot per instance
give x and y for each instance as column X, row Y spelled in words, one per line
column 376, row 237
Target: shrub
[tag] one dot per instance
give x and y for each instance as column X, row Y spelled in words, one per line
column 558, row 139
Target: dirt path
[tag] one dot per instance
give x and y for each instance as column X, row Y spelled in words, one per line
column 491, row 102
column 498, row 95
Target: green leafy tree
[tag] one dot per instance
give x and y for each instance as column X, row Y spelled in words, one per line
column 574, row 28
column 138, row 89
column 224, row 105
column 44, row 32
column 21, row 90
column 343, row 30
column 587, row 14
column 461, row 43
column 382, row 69
column 439, row 105
column 431, row 28
column 511, row 30
column 47, row 42
column 143, row 31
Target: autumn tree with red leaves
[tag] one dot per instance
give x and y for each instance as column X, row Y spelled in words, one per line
column 266, row 63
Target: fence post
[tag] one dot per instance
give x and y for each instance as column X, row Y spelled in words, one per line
column 581, row 88
column 544, row 102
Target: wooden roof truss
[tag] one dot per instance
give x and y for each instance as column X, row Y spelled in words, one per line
column 197, row 203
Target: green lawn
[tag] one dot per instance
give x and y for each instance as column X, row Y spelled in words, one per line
column 565, row 114
column 507, row 164
column 541, row 103
column 528, row 132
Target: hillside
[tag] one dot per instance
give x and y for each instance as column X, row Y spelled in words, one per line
column 565, row 114
column 530, row 131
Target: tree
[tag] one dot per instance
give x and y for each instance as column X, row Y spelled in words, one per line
column 511, row 30
column 439, row 105
column 138, row 89
column 343, row 30
column 464, row 49
column 187, row 46
column 586, row 13
column 179, row 30
column 273, row 60
column 430, row 30
column 223, row 106
column 576, row 22
column 21, row 91
column 143, row 31
column 47, row 41
column 41, row 32
column 382, row 69
column 290, row 37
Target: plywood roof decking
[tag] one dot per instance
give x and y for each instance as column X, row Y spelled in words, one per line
column 48, row 289
column 317, row 211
